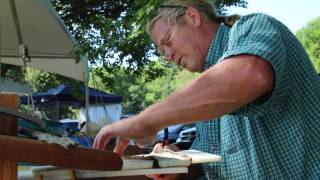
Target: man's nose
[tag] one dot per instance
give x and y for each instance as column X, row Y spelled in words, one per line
column 168, row 53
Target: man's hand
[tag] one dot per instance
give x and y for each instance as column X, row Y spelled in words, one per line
column 160, row 148
column 124, row 131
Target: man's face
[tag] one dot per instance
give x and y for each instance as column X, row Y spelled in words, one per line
column 181, row 44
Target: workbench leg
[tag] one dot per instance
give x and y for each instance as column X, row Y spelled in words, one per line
column 73, row 174
column 8, row 126
column 8, row 170
column 39, row 177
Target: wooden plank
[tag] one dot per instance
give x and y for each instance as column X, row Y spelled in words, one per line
column 54, row 173
column 168, row 158
column 28, row 150
column 8, row 170
column 8, row 126
column 9, row 100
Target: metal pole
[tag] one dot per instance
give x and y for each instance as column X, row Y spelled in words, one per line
column 86, row 83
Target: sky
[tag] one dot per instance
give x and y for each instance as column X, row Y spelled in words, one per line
column 293, row 13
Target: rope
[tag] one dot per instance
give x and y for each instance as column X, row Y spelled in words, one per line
column 23, row 49
column 30, row 98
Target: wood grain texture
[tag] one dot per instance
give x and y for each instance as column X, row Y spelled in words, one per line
column 28, row 150
column 8, row 126
column 8, row 169
column 9, row 100
column 54, row 173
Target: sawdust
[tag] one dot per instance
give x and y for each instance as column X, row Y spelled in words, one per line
column 65, row 142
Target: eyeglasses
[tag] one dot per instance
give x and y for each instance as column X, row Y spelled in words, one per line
column 166, row 40
column 165, row 43
column 166, row 52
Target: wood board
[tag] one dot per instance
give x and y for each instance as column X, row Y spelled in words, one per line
column 53, row 173
column 169, row 162
column 33, row 151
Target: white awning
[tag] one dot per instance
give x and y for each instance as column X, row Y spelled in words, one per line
column 38, row 26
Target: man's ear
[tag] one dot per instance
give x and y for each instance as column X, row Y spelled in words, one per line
column 193, row 16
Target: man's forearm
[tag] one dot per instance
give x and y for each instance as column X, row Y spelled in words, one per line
column 213, row 93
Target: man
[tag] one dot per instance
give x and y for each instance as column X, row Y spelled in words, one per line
column 257, row 84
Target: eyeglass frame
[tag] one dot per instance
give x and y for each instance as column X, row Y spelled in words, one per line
column 162, row 58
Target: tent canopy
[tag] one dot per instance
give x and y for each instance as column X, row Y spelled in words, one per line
column 63, row 95
column 36, row 25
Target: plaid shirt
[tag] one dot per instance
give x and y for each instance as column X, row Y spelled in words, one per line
column 279, row 137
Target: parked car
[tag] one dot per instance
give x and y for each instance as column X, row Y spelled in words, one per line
column 181, row 135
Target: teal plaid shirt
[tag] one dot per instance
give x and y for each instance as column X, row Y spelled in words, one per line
column 279, row 137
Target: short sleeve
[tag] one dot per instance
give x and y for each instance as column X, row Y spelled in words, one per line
column 260, row 35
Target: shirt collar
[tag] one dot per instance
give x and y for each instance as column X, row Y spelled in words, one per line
column 218, row 46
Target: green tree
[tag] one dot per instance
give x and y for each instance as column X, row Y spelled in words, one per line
column 41, row 81
column 310, row 38
column 13, row 72
column 126, row 84
column 182, row 78
column 112, row 33
column 137, row 92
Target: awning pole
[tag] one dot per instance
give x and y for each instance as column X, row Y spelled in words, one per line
column 86, row 83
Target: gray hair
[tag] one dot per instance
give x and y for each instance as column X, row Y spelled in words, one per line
column 172, row 10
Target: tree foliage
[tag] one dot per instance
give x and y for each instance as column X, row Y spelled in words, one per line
column 137, row 92
column 112, row 33
column 310, row 38
column 13, row 72
column 135, row 89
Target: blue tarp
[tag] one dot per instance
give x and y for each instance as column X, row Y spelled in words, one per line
column 63, row 95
